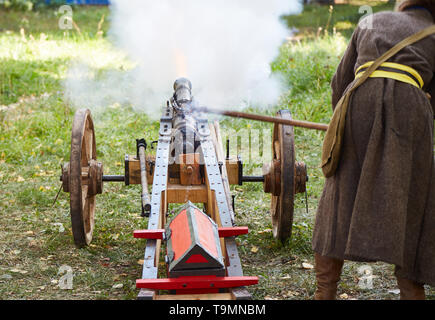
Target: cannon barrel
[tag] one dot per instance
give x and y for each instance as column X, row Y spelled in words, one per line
column 182, row 91
column 184, row 123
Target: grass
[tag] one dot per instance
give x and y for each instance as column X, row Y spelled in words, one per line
column 34, row 141
column 342, row 18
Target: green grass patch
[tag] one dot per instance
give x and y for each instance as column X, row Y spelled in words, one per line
column 342, row 18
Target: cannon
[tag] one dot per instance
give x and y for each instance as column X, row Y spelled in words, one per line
column 189, row 167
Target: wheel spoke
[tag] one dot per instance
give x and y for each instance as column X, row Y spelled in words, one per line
column 89, row 142
column 277, row 150
column 84, row 156
column 85, row 208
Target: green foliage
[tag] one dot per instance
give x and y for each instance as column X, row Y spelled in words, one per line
column 28, row 5
column 17, row 4
column 316, row 19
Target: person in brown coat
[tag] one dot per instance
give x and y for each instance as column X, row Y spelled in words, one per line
column 380, row 203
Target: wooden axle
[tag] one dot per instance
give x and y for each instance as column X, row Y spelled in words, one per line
column 244, row 115
column 133, row 172
column 135, row 176
column 177, row 189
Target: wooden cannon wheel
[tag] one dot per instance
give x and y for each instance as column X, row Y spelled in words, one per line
column 280, row 178
column 84, row 177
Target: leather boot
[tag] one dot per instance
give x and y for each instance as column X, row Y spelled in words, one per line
column 410, row 290
column 328, row 272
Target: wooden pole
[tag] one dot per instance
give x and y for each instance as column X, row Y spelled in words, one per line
column 257, row 117
column 145, row 197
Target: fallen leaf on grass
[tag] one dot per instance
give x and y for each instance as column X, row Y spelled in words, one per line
column 344, row 296
column 15, row 270
column 307, row 266
column 60, row 225
column 140, row 262
column 265, row 231
column 290, row 294
column 117, row 286
column 254, row 249
column 395, row 291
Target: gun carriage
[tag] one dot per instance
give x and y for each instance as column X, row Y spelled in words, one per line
column 189, row 167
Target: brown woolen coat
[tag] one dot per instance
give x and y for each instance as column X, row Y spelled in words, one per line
column 380, row 204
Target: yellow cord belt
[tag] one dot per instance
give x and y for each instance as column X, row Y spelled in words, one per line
column 394, row 71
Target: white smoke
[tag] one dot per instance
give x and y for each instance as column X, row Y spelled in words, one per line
column 224, row 47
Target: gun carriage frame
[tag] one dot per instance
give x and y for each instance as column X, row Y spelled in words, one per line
column 180, row 175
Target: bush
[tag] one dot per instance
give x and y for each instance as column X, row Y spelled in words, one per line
column 28, row 5
column 17, row 4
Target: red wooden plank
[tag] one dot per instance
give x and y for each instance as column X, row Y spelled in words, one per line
column 232, row 231
column 158, row 233
column 195, row 282
column 149, row 234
